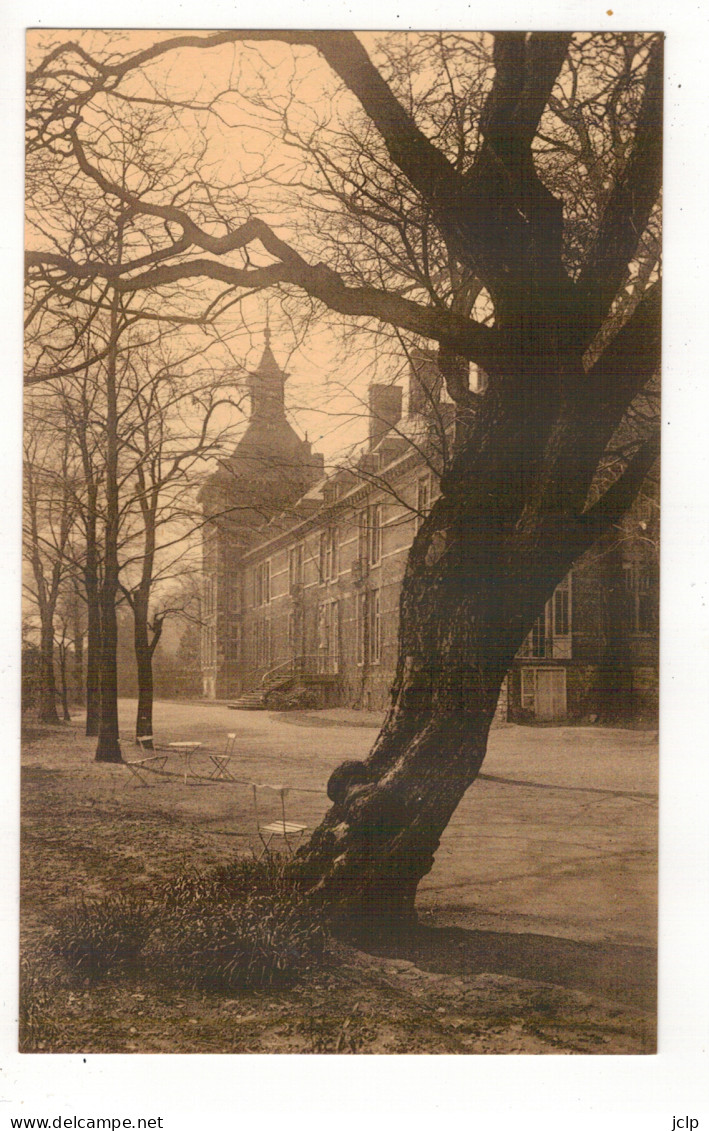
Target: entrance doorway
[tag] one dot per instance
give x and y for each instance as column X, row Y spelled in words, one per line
column 544, row 690
column 550, row 700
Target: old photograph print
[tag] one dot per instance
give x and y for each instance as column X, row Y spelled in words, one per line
column 341, row 542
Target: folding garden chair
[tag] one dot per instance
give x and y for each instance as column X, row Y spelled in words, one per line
column 150, row 760
column 222, row 771
column 283, row 828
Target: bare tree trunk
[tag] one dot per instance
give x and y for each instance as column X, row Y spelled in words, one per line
column 380, row 837
column 93, row 643
column 63, row 680
column 77, row 633
column 144, row 650
column 109, row 748
column 47, row 710
column 78, row 667
column 503, row 534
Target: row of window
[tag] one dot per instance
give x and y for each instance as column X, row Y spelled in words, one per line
column 550, row 637
column 368, row 635
column 370, row 550
column 369, row 554
column 369, row 547
column 551, row 632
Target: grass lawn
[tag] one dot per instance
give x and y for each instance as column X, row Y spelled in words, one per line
column 470, row 979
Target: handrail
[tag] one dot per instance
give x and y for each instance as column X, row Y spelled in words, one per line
column 271, row 672
column 288, row 666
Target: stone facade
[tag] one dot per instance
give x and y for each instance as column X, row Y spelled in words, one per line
column 270, row 469
column 302, row 574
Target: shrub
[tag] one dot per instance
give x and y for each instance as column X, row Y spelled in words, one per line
column 100, row 936
column 293, row 698
column 241, row 878
column 241, row 925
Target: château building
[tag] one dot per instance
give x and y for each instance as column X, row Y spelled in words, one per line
column 302, row 571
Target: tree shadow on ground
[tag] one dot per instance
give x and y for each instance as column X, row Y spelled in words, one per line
column 615, row 971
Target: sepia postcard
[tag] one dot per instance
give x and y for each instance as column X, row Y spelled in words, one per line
column 345, row 375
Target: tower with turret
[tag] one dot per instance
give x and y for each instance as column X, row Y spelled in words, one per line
column 270, row 468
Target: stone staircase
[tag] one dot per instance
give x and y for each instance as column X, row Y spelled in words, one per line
column 280, row 677
column 250, row 701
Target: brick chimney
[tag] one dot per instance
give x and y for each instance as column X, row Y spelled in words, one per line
column 425, row 383
column 384, row 411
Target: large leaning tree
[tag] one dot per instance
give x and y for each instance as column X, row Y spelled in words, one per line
column 494, row 196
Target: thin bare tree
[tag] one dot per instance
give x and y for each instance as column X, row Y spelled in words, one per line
column 541, row 199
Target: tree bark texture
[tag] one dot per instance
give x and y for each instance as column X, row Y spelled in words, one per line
column 66, row 714
column 47, row 707
column 144, row 666
column 93, row 641
column 497, row 542
column 514, row 511
column 78, row 668
column 108, row 748
column 145, row 642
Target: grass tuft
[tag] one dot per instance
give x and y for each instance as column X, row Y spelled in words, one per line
column 38, row 1028
column 241, row 925
column 104, row 936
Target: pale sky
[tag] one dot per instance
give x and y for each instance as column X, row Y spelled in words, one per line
column 328, row 379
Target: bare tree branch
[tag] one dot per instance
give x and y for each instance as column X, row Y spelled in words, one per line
column 628, row 208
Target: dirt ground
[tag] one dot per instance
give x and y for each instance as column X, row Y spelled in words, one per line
column 537, row 924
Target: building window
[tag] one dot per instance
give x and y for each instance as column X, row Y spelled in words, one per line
column 527, row 689
column 295, row 567
column 329, row 638
column 362, row 525
column 637, row 579
column 538, row 638
column 370, row 535
column 374, row 532
column 562, row 619
column 375, row 628
column 262, row 584
column 361, row 627
column 209, row 645
column 550, row 637
column 369, row 627
column 234, row 596
column 423, row 499
column 329, row 555
column 209, row 596
column 335, row 637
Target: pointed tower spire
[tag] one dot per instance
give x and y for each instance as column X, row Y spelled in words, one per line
column 267, row 384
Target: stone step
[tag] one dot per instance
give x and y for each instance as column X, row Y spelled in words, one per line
column 252, row 701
